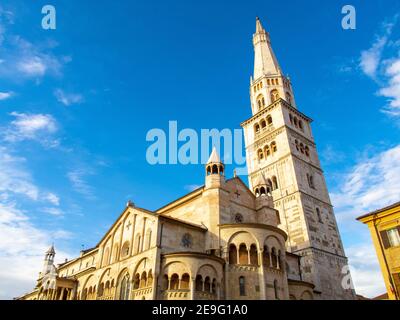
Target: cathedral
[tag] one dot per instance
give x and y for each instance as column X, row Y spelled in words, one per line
column 276, row 238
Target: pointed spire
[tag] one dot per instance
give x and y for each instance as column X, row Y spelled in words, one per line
column 214, row 157
column 261, row 181
column 51, row 250
column 265, row 62
column 259, row 27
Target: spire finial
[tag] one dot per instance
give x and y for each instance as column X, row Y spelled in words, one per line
column 259, row 27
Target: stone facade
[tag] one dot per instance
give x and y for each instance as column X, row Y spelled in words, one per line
column 225, row 240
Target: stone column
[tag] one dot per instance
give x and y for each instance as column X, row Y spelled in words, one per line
column 192, row 288
column 261, row 276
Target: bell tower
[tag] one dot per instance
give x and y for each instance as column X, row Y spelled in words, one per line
column 283, row 162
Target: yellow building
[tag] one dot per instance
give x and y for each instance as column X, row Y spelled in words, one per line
column 384, row 225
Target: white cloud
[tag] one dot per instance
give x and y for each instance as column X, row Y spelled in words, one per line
column 68, row 99
column 53, row 211
column 52, row 198
column 77, row 179
column 22, row 248
column 39, row 127
column 6, row 95
column 370, row 59
column 366, row 186
column 22, row 59
column 365, row 270
column 373, row 183
column 392, row 88
column 385, row 71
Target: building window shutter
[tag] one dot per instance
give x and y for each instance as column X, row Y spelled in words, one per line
column 385, row 239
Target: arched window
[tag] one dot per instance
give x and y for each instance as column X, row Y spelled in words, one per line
column 263, row 192
column 266, row 257
column 276, row 289
column 143, row 280
column 263, row 124
column 274, row 183
column 257, row 192
column 278, row 217
column 199, row 283
column 260, row 154
column 150, row 279
column 311, row 181
column 297, row 145
column 125, row 249
column 274, row 148
column 107, row 288
column 291, row 118
column 269, row 120
column 148, row 239
column 301, row 124
column 288, row 98
column 125, row 288
column 274, row 95
column 267, row 151
column 100, row 291
column 165, row 282
column 214, row 169
column 243, row 254
column 214, row 286
column 295, row 121
column 274, row 258
column 302, row 148
column 319, row 215
column 174, row 282
column 208, row 170
column 136, row 283
column 232, row 254
column 185, row 281
column 242, row 286
column 260, row 101
column 257, row 128
column 307, row 151
column 253, row 255
column 207, row 284
column 84, row 294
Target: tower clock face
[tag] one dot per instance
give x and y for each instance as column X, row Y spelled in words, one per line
column 187, row 240
column 238, row 218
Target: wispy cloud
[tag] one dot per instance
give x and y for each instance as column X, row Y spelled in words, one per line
column 16, row 179
column 22, row 246
column 68, row 99
column 80, row 185
column 372, row 183
column 6, row 95
column 365, row 187
column 384, row 67
column 38, row 127
column 22, row 59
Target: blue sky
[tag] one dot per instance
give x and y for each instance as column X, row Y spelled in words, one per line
column 77, row 102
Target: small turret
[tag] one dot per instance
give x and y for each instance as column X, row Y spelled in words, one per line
column 215, row 171
column 48, row 260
